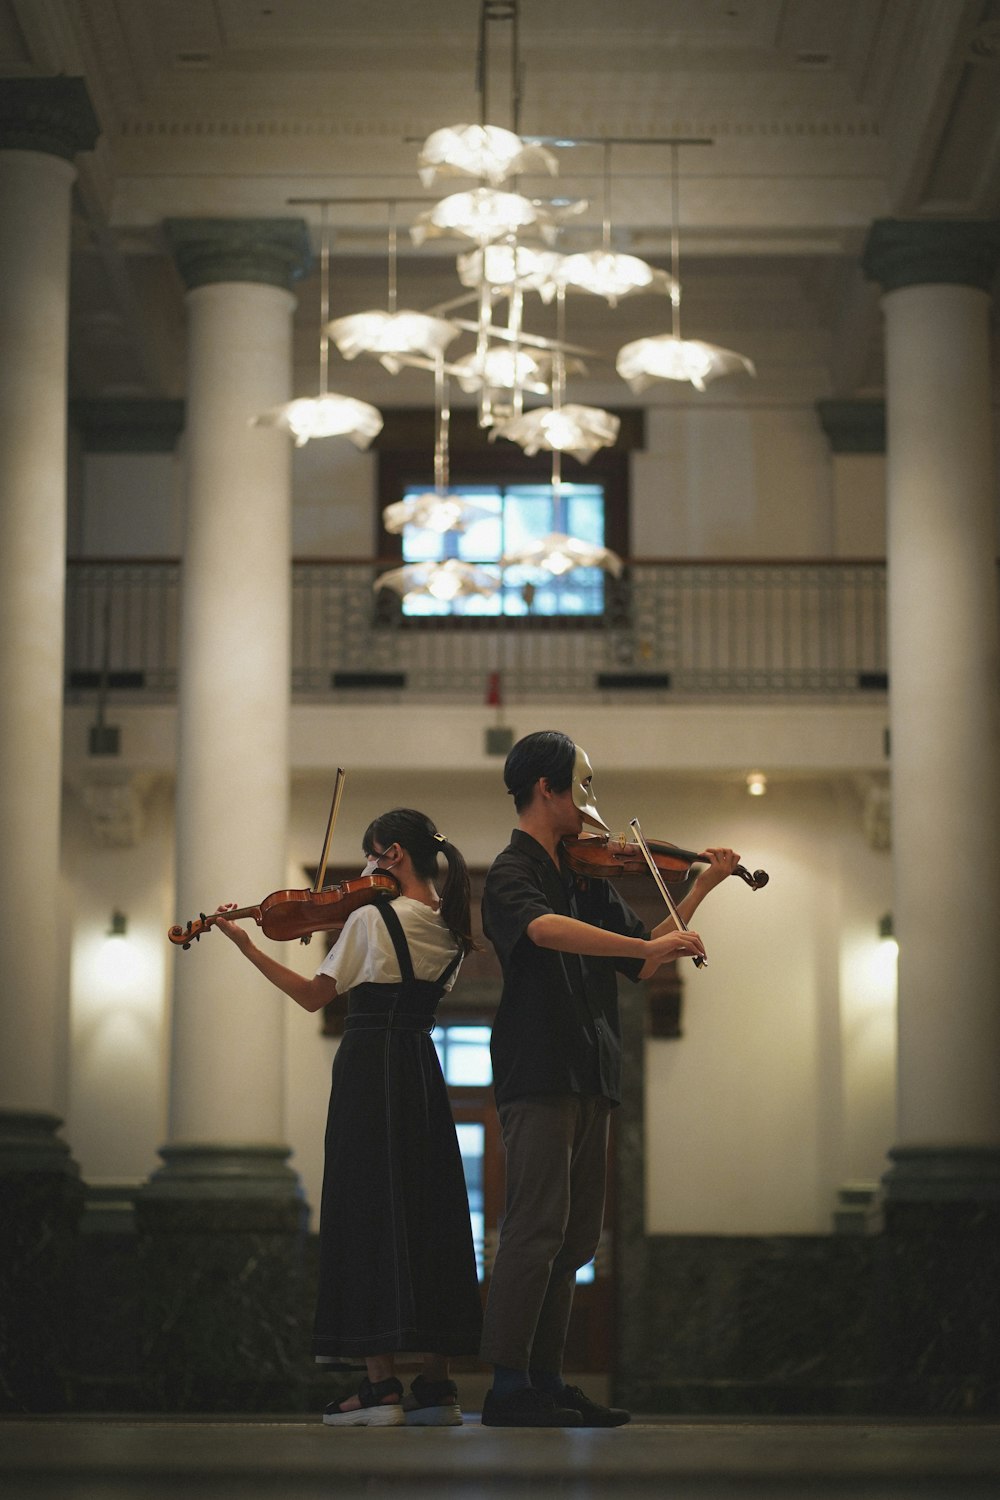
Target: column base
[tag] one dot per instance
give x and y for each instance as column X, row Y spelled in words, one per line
column 41, row 1200
column 955, row 1176
column 221, row 1235
column 941, row 1288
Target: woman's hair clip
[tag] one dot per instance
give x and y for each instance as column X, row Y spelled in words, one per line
column 440, row 838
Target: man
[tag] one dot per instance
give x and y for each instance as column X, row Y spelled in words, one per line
column 556, row 1052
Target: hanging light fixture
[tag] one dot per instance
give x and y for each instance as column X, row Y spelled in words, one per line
column 606, row 272
column 433, row 511
column 501, row 265
column 485, row 151
column 325, row 415
column 577, row 430
column 444, row 581
column 439, row 509
column 667, row 356
column 508, row 367
column 391, row 332
column 561, row 428
column 558, row 553
column 484, row 214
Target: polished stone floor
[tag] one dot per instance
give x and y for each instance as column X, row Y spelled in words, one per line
column 264, row 1458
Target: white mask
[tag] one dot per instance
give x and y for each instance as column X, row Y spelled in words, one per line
column 372, row 866
column 583, row 792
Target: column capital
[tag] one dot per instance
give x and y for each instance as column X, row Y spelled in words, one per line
column 921, row 252
column 853, row 426
column 47, row 114
column 274, row 252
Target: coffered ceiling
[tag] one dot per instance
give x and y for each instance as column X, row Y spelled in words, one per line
column 822, row 116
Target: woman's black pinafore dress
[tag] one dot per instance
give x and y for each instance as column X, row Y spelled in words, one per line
column 397, row 1265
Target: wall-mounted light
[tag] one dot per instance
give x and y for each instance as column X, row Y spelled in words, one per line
column 756, row 783
column 119, row 924
column 885, row 932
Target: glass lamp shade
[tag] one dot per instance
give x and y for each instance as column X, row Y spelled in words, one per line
column 378, row 332
column 503, row 369
column 608, row 274
column 484, row 151
column 578, row 430
column 324, row 416
column 559, row 554
column 668, row 358
column 446, row 580
column 528, row 266
column 484, row 214
column 438, row 510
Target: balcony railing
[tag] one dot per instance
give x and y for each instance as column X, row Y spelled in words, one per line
column 670, row 630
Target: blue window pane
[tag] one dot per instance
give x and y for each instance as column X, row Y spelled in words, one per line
column 422, row 544
column 522, row 515
column 481, row 541
column 586, row 518
column 464, row 1054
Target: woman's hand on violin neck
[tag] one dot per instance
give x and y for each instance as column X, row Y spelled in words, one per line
column 234, row 932
column 721, row 864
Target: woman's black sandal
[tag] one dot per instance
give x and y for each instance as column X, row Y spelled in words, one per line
column 432, row 1403
column 374, row 1410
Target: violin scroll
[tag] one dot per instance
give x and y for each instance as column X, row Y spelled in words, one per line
column 191, row 932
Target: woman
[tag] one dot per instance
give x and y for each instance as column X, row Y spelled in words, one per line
column 397, row 1266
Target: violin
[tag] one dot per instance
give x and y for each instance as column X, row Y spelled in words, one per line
column 285, row 915
column 613, row 854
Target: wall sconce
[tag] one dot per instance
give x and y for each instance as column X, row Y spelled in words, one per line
column 756, row 783
column 119, row 924
column 885, row 932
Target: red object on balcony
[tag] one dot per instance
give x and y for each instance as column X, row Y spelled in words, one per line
column 494, row 697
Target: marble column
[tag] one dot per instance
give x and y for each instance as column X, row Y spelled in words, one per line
column 225, row 1194
column 44, row 122
column 944, row 697
column 942, row 1190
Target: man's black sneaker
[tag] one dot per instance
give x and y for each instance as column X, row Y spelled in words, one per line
column 592, row 1414
column 527, row 1408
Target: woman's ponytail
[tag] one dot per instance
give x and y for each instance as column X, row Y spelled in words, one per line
column 456, row 897
column 419, row 837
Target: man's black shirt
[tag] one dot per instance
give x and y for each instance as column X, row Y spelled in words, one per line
column 557, row 1030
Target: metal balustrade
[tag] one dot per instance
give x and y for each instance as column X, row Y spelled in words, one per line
column 671, row 630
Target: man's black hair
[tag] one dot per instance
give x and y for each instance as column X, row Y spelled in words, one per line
column 547, row 753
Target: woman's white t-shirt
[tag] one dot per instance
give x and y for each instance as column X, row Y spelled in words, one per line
column 363, row 954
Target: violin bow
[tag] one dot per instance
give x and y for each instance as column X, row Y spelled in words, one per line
column 699, row 960
column 338, row 792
